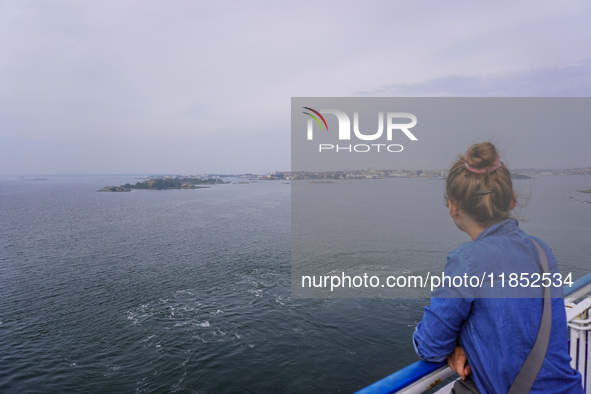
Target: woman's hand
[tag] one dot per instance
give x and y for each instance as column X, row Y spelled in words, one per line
column 458, row 362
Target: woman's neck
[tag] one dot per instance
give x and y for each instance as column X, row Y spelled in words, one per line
column 468, row 225
column 474, row 230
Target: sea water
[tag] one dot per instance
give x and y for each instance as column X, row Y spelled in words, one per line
column 189, row 290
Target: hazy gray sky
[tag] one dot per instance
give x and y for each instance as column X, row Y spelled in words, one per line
column 186, row 87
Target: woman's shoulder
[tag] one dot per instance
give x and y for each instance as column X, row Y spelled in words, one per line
column 509, row 251
column 460, row 259
column 471, row 257
column 468, row 250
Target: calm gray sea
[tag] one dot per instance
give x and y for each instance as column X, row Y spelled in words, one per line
column 189, row 290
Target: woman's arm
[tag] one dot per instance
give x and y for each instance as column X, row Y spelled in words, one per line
column 436, row 335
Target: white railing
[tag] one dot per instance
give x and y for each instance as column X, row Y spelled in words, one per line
column 579, row 326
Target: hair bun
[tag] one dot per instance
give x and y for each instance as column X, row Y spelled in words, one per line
column 481, row 156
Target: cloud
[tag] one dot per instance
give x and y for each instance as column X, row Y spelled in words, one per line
column 568, row 80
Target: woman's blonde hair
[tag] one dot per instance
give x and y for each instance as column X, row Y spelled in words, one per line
column 480, row 184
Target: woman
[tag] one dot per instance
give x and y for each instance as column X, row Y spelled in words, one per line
column 488, row 338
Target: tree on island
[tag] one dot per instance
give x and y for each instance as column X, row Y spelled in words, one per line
column 172, row 183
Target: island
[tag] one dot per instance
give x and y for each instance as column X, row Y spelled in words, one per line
column 520, row 176
column 165, row 183
column 114, row 189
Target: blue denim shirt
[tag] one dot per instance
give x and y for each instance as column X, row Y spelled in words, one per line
column 497, row 334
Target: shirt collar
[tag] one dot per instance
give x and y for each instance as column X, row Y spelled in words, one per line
column 501, row 227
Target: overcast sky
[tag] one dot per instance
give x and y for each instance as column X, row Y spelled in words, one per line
column 192, row 87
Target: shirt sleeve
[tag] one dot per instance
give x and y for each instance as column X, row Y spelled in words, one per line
column 437, row 334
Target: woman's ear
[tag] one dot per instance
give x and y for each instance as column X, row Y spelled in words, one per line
column 453, row 209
